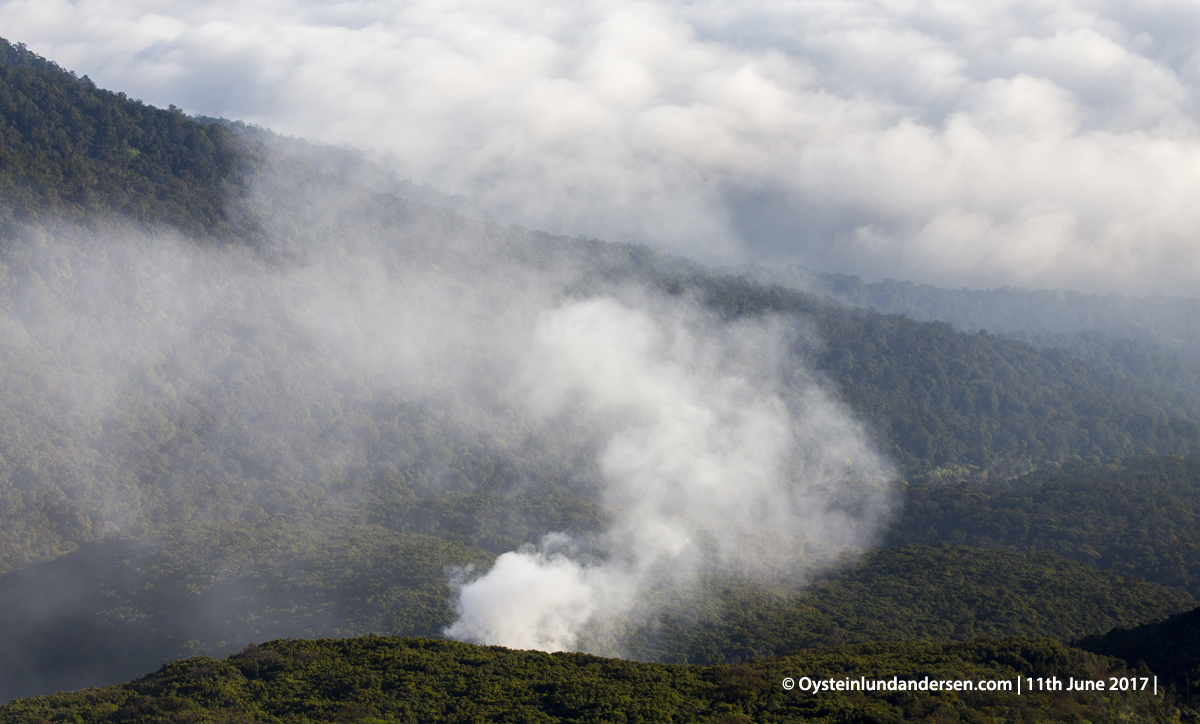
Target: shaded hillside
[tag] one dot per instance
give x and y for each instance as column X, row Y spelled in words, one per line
column 296, row 430
column 117, row 608
column 1170, row 648
column 1170, row 321
column 947, row 404
column 380, row 679
column 907, row 593
column 1173, row 375
column 1135, row 517
column 1150, row 343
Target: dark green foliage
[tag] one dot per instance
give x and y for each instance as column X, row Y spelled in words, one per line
column 946, row 404
column 122, row 607
column 73, row 151
column 380, row 679
column 253, row 482
column 1170, row 375
column 1152, row 343
column 908, row 593
column 19, row 56
column 1170, row 648
column 947, row 401
column 1136, row 517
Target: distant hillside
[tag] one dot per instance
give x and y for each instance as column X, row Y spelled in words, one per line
column 1135, row 517
column 1172, row 372
column 117, row 608
column 379, row 679
column 907, row 593
column 938, row 400
column 1150, row 342
column 1170, row 321
column 194, row 451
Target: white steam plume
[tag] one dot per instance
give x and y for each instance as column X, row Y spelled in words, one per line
column 349, row 359
column 714, row 461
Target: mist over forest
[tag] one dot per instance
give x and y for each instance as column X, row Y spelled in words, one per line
column 258, row 388
column 1045, row 146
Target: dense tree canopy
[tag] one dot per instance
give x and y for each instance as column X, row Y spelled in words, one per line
column 1136, row 516
column 117, row 608
column 379, row 679
column 186, row 464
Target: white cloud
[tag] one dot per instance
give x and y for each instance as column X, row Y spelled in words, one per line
column 1018, row 142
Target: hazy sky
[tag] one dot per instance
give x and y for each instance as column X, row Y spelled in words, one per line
column 960, row 143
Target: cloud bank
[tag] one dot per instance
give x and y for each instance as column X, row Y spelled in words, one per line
column 1016, row 142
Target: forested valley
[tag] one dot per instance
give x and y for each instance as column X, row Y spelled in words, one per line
column 220, row 424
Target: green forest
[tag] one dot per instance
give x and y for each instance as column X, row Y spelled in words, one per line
column 198, row 452
column 378, row 679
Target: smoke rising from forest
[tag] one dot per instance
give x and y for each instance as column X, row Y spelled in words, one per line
column 375, row 353
column 707, row 469
column 1049, row 144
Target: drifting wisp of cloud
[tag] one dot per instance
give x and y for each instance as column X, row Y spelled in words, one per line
column 1051, row 144
column 291, row 383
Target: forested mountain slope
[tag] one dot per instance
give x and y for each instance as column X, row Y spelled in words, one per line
column 899, row 594
column 1170, row 648
column 73, row 152
column 1135, row 517
column 380, row 679
column 938, row 399
column 940, row 402
column 946, row 403
column 1152, row 343
column 240, row 396
column 123, row 607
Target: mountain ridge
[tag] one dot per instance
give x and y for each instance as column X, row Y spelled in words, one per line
column 254, row 426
